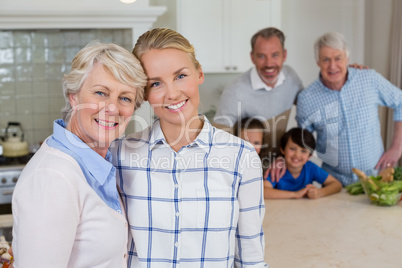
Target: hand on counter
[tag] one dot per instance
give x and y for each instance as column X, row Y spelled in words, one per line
column 300, row 194
column 313, row 192
column 330, row 186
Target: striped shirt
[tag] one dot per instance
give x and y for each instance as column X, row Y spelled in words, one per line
column 347, row 122
column 202, row 206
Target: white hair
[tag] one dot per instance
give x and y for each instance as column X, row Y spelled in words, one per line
column 119, row 62
column 333, row 40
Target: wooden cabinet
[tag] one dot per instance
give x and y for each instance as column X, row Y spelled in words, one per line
column 220, row 30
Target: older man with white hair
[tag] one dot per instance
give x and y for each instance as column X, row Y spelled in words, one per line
column 342, row 107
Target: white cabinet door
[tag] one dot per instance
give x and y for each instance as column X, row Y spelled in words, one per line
column 246, row 18
column 202, row 23
column 220, row 30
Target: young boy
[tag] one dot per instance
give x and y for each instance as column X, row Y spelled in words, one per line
column 193, row 194
column 297, row 146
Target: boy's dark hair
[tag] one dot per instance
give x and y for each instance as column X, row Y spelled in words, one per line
column 301, row 137
column 247, row 123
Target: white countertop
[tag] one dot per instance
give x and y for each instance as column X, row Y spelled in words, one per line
column 340, row 230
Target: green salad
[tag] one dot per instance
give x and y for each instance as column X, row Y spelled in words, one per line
column 380, row 193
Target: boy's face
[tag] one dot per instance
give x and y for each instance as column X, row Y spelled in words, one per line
column 295, row 156
column 253, row 136
column 172, row 88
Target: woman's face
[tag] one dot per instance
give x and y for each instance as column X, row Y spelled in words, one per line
column 102, row 109
column 172, row 87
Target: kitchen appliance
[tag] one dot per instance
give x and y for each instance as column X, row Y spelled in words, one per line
column 14, row 144
column 10, row 170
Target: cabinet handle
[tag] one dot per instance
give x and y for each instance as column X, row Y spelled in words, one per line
column 227, row 68
column 235, row 68
column 8, row 192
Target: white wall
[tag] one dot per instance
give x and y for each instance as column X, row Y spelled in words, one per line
column 304, row 21
column 378, row 33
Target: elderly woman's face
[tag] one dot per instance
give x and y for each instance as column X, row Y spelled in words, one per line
column 102, row 108
column 334, row 67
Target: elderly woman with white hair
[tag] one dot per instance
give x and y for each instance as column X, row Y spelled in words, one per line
column 342, row 107
column 66, row 208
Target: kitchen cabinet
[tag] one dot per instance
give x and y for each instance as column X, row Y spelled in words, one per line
column 220, row 30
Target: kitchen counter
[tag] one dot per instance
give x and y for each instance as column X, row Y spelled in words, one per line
column 340, row 230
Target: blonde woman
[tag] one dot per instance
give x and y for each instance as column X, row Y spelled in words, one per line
column 193, row 193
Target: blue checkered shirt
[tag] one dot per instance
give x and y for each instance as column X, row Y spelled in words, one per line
column 347, row 122
column 202, row 206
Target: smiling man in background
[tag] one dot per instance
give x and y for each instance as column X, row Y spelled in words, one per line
column 266, row 91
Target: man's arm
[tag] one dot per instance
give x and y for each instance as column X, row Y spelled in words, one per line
column 391, row 96
column 277, row 169
column 393, row 154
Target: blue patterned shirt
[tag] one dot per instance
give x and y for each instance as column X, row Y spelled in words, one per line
column 202, row 206
column 347, row 121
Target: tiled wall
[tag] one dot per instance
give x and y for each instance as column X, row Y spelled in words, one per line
column 32, row 64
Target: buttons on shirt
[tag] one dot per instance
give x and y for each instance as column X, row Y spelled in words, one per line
column 176, row 186
column 176, row 244
column 177, row 214
column 179, row 162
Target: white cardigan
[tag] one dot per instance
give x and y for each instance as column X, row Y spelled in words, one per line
column 59, row 220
